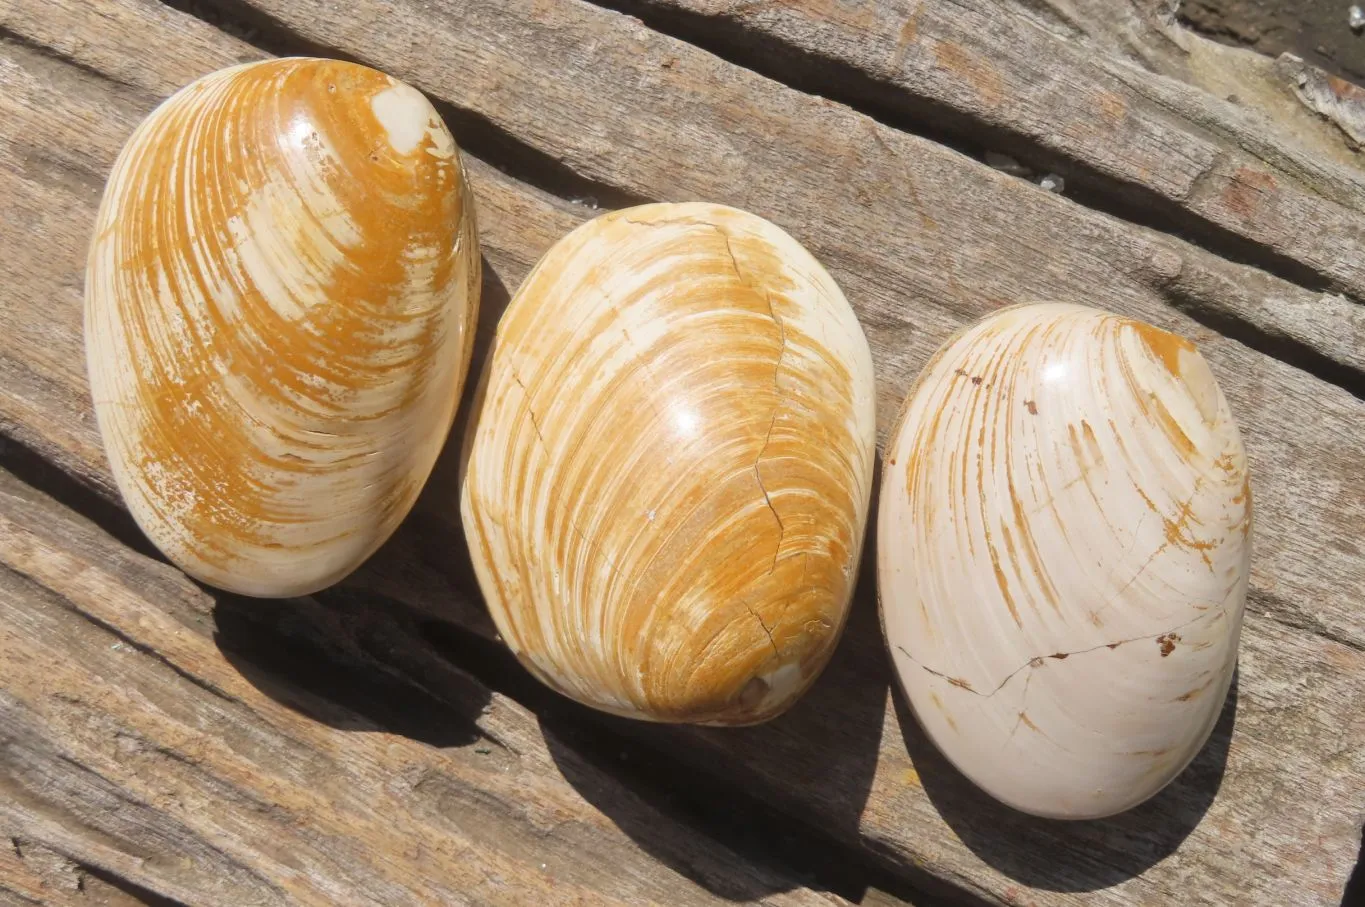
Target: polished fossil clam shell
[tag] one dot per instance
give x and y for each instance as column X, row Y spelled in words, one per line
column 666, row 493
column 1063, row 542
column 280, row 299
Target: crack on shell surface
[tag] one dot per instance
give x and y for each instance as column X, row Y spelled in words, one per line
column 1039, row 660
column 777, row 384
column 668, row 326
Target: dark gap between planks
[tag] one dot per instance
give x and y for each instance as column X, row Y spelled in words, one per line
column 23, row 847
column 894, row 107
column 805, row 71
column 136, row 892
column 474, row 134
column 809, row 73
column 30, row 467
column 7, row 36
column 1316, row 30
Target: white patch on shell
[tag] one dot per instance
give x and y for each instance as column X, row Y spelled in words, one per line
column 407, row 116
column 781, row 682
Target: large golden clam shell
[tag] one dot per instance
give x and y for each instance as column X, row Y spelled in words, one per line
column 280, row 299
column 666, row 494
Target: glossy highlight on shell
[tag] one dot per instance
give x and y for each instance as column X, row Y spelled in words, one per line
column 280, row 300
column 666, row 493
column 1063, row 545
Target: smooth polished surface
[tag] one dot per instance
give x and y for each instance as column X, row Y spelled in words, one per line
column 280, row 301
column 1063, row 545
column 666, row 493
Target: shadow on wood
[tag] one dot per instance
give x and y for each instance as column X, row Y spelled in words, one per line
column 344, row 655
column 338, row 659
column 828, row 741
column 1042, row 853
column 354, row 657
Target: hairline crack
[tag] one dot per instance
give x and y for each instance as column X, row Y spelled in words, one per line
column 1038, row 660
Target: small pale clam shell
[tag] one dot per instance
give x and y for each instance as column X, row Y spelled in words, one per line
column 1063, row 544
column 280, row 300
column 666, row 494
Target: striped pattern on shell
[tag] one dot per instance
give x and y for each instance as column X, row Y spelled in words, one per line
column 666, row 495
column 280, row 301
column 1063, row 544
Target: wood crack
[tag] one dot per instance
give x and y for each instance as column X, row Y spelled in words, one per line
column 1275, row 344
column 123, row 637
column 141, row 803
column 1307, row 626
column 808, row 65
column 56, row 54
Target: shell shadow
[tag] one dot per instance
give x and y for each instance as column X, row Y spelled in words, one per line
column 427, row 560
column 440, row 497
column 823, row 749
column 345, row 656
column 1072, row 856
column 336, row 658
column 705, row 832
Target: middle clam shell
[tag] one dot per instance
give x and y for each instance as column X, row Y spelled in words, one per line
column 666, row 494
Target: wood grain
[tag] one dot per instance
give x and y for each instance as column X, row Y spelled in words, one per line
column 133, row 744
column 992, row 73
column 654, row 117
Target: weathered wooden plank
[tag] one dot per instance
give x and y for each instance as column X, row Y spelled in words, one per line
column 33, row 874
column 626, row 869
column 132, row 740
column 839, row 759
column 991, row 72
column 643, row 113
column 1284, row 94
